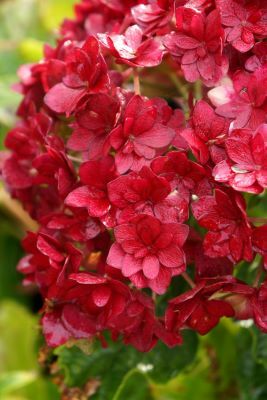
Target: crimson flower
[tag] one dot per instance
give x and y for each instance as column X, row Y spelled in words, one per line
column 153, row 18
column 197, row 309
column 131, row 49
column 259, row 58
column 86, row 73
column 142, row 134
column 197, row 45
column 149, row 252
column 259, row 241
column 259, row 303
column 246, row 168
column 229, row 232
column 207, row 130
column 145, row 193
column 87, row 304
column 92, row 195
column 92, row 125
column 244, row 21
column 244, row 99
column 185, row 176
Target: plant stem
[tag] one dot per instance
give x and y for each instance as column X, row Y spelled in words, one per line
column 179, row 86
column 75, row 159
column 16, row 210
column 188, row 279
column 258, row 276
column 136, row 82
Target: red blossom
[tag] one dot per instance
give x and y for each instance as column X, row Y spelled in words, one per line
column 197, row 309
column 86, row 73
column 259, row 242
column 142, row 134
column 153, row 18
column 149, row 252
column 197, row 45
column 246, row 168
column 244, row 21
column 92, row 195
column 109, row 174
column 207, row 130
column 93, row 123
column 244, row 100
column 145, row 193
column 132, row 50
column 229, row 232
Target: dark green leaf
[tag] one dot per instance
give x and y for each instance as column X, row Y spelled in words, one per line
column 135, row 385
column 110, row 365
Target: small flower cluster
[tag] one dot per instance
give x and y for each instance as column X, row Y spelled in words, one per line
column 138, row 135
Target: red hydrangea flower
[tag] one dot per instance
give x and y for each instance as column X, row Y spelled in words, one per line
column 197, row 45
column 149, row 252
column 246, row 168
column 207, row 130
column 86, row 73
column 132, row 50
column 92, row 195
column 73, row 225
column 244, row 20
column 48, row 261
column 259, row 242
column 92, row 125
column 245, row 100
column 153, row 18
column 185, row 176
column 145, row 193
column 87, row 304
column 259, row 302
column 229, row 232
column 197, row 309
column 108, row 174
column 259, row 58
column 142, row 134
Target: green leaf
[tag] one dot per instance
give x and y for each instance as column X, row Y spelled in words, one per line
column 252, row 372
column 18, row 351
column 260, row 347
column 10, row 253
column 110, row 365
column 223, row 340
column 11, row 381
column 135, row 385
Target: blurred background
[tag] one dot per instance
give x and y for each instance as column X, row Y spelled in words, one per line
column 24, row 27
column 228, row 364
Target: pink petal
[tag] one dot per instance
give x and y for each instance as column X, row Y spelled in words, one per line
column 171, row 257
column 63, row 99
column 150, row 266
column 131, row 265
column 101, row 295
column 87, row 279
column 159, row 136
column 78, row 197
column 115, row 256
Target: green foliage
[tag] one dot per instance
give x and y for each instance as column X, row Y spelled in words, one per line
column 24, row 27
column 116, row 363
column 10, row 253
column 18, row 353
column 227, row 364
column 11, row 381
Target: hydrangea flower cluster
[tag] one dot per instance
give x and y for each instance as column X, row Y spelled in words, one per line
column 139, row 136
